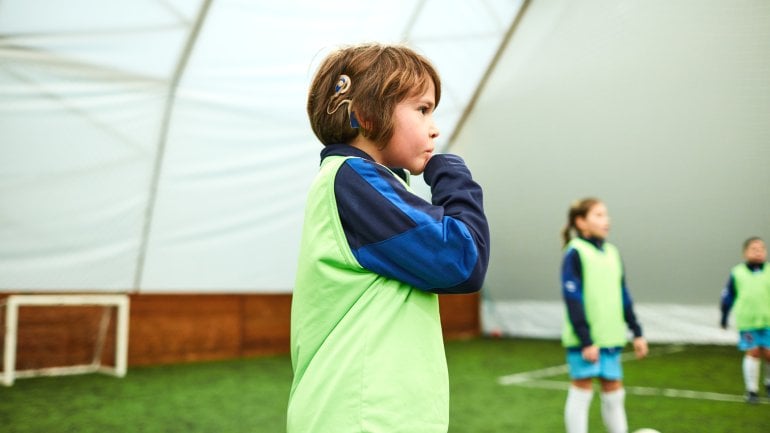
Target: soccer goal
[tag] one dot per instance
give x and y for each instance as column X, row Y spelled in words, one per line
column 121, row 302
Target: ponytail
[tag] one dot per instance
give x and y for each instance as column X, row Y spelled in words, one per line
column 578, row 209
column 566, row 234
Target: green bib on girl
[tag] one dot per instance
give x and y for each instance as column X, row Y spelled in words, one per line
column 602, row 275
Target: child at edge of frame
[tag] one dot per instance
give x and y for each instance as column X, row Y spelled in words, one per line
column 747, row 293
column 367, row 347
column 600, row 312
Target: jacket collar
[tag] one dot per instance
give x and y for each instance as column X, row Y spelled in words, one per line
column 347, row 150
column 343, row 150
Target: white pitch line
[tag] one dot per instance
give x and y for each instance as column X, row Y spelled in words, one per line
column 528, row 376
column 645, row 391
column 533, row 379
column 518, row 378
column 684, row 393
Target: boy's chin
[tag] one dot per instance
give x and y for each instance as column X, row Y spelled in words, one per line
column 418, row 170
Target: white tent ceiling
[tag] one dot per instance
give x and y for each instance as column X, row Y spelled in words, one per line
column 163, row 146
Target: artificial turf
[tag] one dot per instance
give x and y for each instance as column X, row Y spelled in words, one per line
column 250, row 395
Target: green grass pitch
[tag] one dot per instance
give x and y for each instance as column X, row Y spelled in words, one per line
column 497, row 385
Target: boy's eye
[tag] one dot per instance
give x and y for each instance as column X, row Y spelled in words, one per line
column 424, row 110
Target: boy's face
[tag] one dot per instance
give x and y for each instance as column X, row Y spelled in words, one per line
column 596, row 222
column 411, row 145
column 755, row 252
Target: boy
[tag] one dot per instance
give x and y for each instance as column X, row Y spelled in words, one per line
column 366, row 341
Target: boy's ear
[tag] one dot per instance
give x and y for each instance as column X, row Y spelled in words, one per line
column 359, row 122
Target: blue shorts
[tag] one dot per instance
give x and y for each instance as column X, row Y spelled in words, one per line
column 607, row 367
column 753, row 338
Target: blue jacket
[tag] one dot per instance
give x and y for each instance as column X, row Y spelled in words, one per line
column 440, row 247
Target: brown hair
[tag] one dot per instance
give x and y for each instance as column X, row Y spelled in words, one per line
column 750, row 241
column 378, row 78
column 578, row 209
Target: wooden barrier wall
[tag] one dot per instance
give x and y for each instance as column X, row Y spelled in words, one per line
column 166, row 329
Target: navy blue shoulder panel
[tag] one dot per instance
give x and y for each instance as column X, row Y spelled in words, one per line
column 365, row 193
column 395, row 233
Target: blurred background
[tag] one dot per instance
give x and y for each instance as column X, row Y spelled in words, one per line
column 161, row 149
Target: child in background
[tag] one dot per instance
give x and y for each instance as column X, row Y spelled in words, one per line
column 748, row 290
column 366, row 341
column 599, row 309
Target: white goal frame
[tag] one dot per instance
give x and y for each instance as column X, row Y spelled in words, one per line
column 121, row 301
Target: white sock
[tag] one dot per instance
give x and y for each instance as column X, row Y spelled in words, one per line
column 576, row 409
column 614, row 411
column 751, row 373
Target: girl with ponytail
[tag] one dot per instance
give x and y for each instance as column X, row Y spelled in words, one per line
column 599, row 314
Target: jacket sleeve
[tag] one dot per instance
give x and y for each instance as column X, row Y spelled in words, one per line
column 572, row 292
column 727, row 301
column 628, row 310
column 440, row 247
